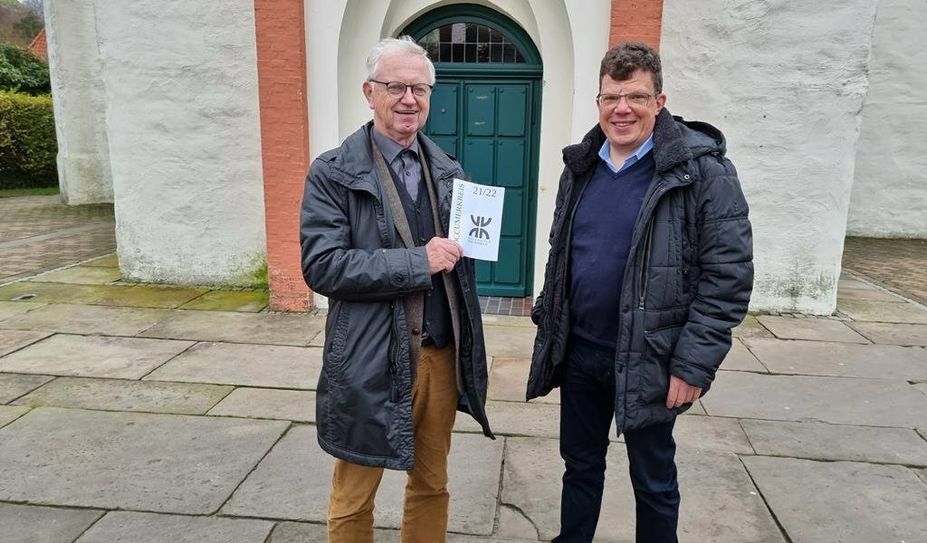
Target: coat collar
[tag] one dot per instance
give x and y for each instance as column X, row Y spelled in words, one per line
column 353, row 164
column 675, row 141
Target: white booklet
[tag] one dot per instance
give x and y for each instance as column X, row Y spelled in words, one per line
column 476, row 219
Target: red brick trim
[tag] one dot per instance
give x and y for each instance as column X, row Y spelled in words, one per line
column 281, row 63
column 636, row 20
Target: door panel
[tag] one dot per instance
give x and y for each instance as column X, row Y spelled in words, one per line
column 513, row 104
column 513, row 212
column 448, row 143
column 443, row 116
column 477, row 160
column 481, row 110
column 508, row 270
column 488, row 124
column 510, row 165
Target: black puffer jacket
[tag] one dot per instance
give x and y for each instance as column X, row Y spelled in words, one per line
column 688, row 279
column 352, row 254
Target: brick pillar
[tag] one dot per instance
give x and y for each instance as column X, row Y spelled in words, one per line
column 281, row 60
column 636, row 20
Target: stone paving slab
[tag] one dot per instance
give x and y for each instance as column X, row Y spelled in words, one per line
column 532, row 484
column 32, row 524
column 751, row 327
column 739, row 358
column 261, row 328
column 13, row 340
column 861, row 291
column 696, row 409
column 304, row 532
column 810, row 329
column 89, row 319
column 508, row 320
column 818, row 441
column 921, row 386
column 516, row 419
column 114, row 295
column 81, row 275
column 120, row 395
column 292, row 483
column 841, row 359
column 108, row 261
column 838, row 400
column 513, row 524
column 93, row 356
column 230, row 300
column 118, row 526
column 509, row 341
column 162, row 463
column 850, row 282
column 271, row 366
column 893, row 334
column 842, row 501
column 10, row 413
column 508, row 378
column 922, row 473
column 711, row 434
column 13, row 385
column 11, row 309
column 860, row 310
column 268, row 403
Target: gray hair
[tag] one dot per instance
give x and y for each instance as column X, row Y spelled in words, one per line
column 403, row 45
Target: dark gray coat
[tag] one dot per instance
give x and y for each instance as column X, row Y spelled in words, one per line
column 352, row 254
column 688, row 279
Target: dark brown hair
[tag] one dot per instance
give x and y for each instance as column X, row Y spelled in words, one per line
column 622, row 61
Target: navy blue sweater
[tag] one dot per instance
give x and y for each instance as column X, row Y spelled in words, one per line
column 599, row 245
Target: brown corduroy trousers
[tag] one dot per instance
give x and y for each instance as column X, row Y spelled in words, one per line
column 354, row 487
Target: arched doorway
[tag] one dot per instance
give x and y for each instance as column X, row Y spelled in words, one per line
column 485, row 110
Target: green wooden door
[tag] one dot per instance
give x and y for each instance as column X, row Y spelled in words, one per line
column 484, row 111
column 487, row 124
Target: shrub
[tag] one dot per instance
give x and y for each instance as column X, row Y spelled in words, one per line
column 22, row 71
column 28, row 147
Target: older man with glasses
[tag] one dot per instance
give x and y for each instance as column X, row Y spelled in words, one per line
column 404, row 343
column 650, row 268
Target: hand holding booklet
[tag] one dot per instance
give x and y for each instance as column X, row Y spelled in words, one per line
column 476, row 219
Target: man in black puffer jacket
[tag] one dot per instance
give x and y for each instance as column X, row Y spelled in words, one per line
column 650, row 268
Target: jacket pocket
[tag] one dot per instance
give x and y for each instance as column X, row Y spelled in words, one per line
column 655, row 364
column 336, row 345
column 395, row 348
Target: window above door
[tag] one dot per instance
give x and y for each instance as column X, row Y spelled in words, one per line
column 470, row 42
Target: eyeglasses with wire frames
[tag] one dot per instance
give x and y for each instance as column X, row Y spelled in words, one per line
column 634, row 99
column 398, row 88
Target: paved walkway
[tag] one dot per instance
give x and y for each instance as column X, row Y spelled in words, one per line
column 182, row 415
column 39, row 233
column 899, row 265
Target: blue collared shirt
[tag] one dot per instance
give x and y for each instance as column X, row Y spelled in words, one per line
column 639, row 154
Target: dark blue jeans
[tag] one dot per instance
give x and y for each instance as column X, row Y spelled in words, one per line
column 587, row 407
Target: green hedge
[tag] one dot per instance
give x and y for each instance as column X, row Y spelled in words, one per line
column 22, row 71
column 27, row 141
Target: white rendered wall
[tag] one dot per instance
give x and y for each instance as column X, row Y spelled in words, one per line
column 184, row 139
column 571, row 35
column 74, row 65
column 889, row 196
column 785, row 82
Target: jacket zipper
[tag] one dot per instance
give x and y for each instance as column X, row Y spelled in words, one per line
column 645, row 262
